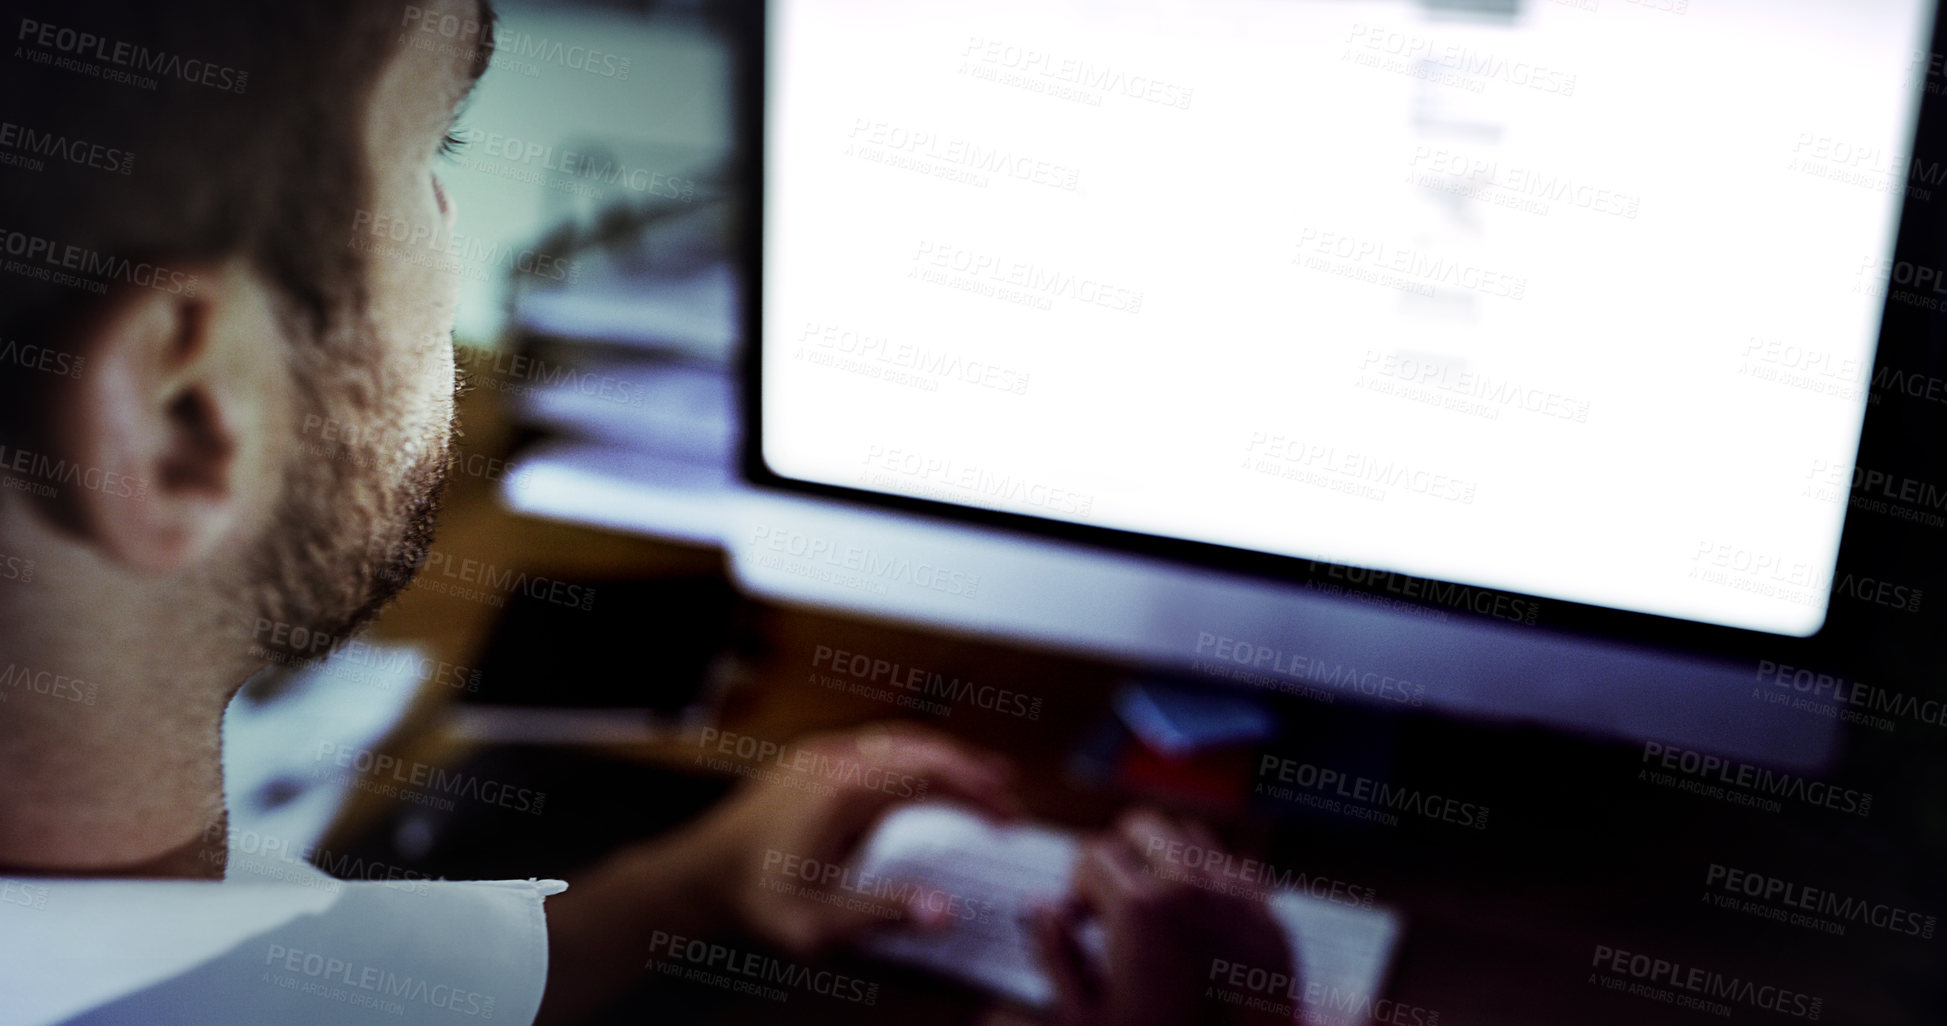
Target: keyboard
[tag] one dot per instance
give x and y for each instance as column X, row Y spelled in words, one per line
column 988, row 878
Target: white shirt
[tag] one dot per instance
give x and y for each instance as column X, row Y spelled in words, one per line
column 311, row 950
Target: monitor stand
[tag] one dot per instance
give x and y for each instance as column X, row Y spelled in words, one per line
column 1169, row 616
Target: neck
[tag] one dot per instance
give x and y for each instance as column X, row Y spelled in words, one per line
column 111, row 738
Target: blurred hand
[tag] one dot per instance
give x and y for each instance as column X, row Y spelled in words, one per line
column 787, row 840
column 1168, row 924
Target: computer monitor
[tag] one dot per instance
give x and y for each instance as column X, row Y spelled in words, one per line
column 1518, row 351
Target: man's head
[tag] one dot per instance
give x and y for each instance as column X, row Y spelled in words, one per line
column 222, row 231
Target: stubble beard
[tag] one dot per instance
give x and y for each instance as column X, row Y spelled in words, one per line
column 352, row 526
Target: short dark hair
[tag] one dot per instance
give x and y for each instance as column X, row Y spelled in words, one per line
column 139, row 131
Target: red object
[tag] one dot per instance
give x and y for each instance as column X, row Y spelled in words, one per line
column 1218, row 777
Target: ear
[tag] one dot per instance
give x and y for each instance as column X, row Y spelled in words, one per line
column 165, row 428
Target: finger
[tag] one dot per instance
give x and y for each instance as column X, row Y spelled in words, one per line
column 1133, row 891
column 1201, row 833
column 1250, row 888
column 915, row 904
column 907, row 748
column 950, row 771
column 987, row 768
column 851, row 813
column 859, row 913
column 899, row 738
column 1107, row 875
column 1066, row 964
column 930, row 909
column 1155, row 837
column 892, row 739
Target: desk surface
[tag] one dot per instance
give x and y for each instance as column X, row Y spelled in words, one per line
column 1502, row 924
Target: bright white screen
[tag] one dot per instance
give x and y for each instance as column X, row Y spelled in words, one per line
column 1577, row 301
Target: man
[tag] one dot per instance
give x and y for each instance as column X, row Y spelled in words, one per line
column 178, row 298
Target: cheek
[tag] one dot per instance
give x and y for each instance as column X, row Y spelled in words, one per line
column 417, row 400
column 414, row 284
column 416, row 268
